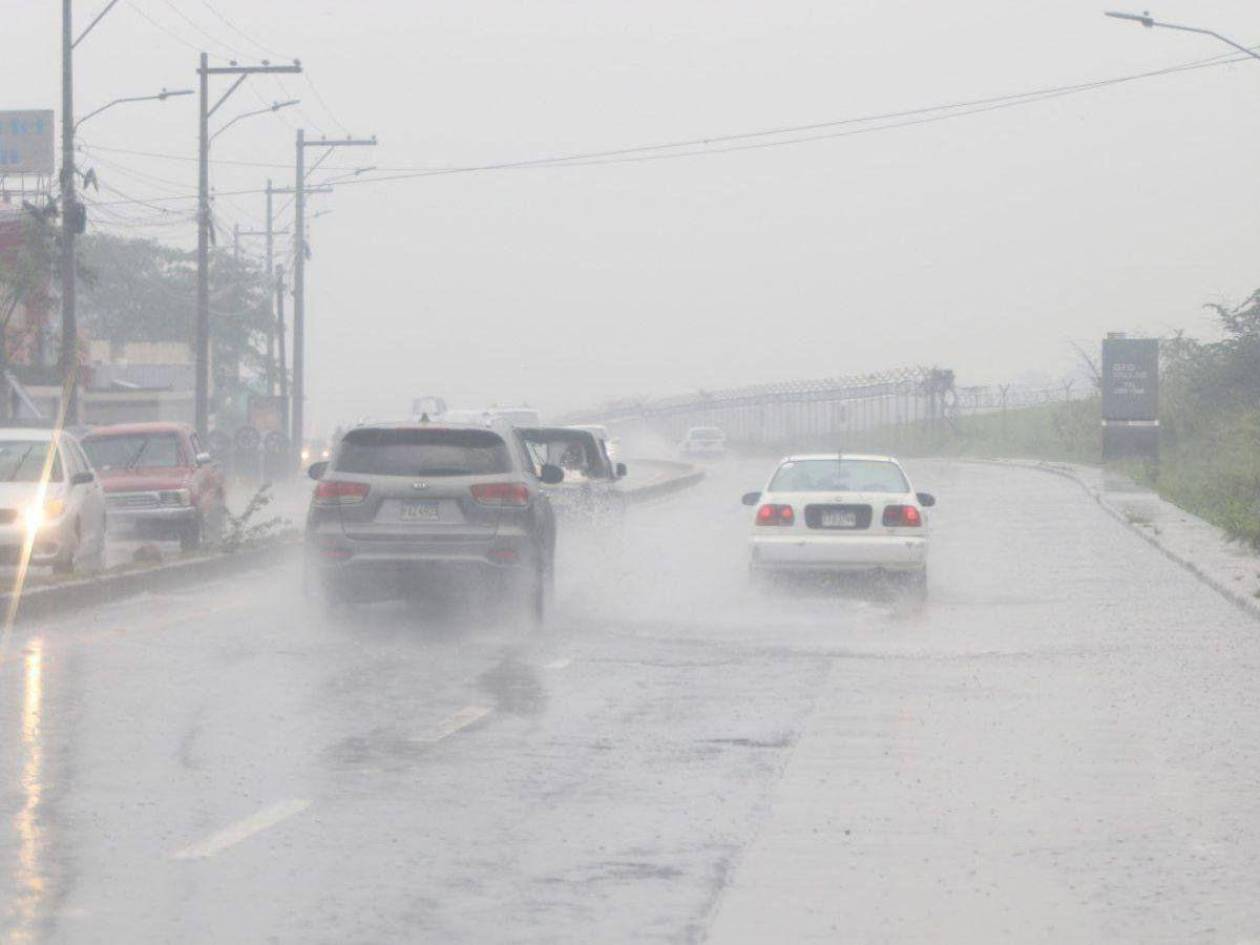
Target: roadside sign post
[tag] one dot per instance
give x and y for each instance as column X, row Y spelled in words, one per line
column 1130, row 399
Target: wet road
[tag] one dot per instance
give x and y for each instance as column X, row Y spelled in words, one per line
column 1062, row 745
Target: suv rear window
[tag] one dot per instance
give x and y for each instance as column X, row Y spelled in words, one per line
column 415, row 452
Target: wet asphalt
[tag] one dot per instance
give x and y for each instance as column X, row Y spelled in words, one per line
column 1061, row 745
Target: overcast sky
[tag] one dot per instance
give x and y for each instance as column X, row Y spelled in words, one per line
column 985, row 243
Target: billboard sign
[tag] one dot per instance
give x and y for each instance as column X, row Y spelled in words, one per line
column 26, row 142
column 1130, row 379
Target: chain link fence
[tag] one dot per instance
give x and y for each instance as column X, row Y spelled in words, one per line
column 835, row 409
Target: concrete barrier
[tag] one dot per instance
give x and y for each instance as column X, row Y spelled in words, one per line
column 671, row 477
column 42, row 601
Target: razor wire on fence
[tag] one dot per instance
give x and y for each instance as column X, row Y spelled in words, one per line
column 828, row 408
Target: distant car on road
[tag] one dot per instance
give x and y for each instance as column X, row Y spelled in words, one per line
column 409, row 507
column 159, row 481
column 837, row 513
column 50, row 498
column 703, row 443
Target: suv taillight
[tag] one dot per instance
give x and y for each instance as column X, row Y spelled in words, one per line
column 501, row 493
column 333, row 492
column 772, row 514
column 902, row 516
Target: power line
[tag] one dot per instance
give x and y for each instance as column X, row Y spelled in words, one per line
column 240, row 32
column 210, row 37
column 136, row 8
column 324, row 104
column 751, row 140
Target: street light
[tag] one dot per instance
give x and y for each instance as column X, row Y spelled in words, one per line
column 205, row 72
column 1149, row 21
column 274, row 107
column 160, row 97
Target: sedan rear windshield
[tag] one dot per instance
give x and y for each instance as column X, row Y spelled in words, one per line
column 837, row 475
column 416, row 452
column 129, row 450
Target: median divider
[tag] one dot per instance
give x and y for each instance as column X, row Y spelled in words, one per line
column 670, row 477
column 46, row 600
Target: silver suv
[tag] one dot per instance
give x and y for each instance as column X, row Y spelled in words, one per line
column 411, row 507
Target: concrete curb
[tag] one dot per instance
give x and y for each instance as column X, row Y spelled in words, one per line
column 53, row 599
column 685, row 476
column 1244, row 601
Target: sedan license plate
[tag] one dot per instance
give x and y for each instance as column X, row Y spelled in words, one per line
column 420, row 511
column 838, row 518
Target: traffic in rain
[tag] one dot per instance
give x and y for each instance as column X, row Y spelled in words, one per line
column 686, row 473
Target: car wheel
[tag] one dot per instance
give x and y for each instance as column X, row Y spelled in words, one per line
column 190, row 534
column 64, row 563
column 915, row 585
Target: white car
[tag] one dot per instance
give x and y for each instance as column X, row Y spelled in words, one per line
column 50, row 501
column 840, row 513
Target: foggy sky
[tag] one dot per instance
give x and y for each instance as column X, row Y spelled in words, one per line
column 984, row 243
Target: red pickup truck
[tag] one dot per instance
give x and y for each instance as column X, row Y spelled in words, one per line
column 158, row 480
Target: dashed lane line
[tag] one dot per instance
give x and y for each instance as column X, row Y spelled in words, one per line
column 242, row 830
column 465, row 717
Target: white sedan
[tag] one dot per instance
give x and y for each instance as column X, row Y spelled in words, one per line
column 52, row 506
column 840, row 512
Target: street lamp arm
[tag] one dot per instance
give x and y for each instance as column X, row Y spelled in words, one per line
column 160, row 97
column 274, row 107
column 1149, row 21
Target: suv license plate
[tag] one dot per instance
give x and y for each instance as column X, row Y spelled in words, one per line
column 421, row 511
column 838, row 519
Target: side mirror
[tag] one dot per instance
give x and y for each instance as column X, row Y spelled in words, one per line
column 621, row 470
column 203, row 459
column 926, row 499
column 551, row 475
column 82, row 479
column 317, row 470
column 751, row 498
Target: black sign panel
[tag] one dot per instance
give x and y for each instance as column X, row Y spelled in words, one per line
column 1130, row 382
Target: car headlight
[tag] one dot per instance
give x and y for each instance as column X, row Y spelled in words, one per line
column 36, row 515
column 306, row 454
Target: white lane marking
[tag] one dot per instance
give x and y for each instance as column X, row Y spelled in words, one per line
column 558, row 664
column 233, row 834
column 460, row 720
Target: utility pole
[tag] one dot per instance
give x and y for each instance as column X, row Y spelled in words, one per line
column 271, row 319
column 69, row 221
column 202, row 357
column 284, row 367
column 299, row 272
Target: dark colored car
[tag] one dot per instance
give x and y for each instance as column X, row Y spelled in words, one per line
column 410, row 508
column 158, row 480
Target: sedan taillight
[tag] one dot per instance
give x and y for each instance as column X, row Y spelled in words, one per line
column 333, row 492
column 902, row 516
column 501, row 493
column 772, row 514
